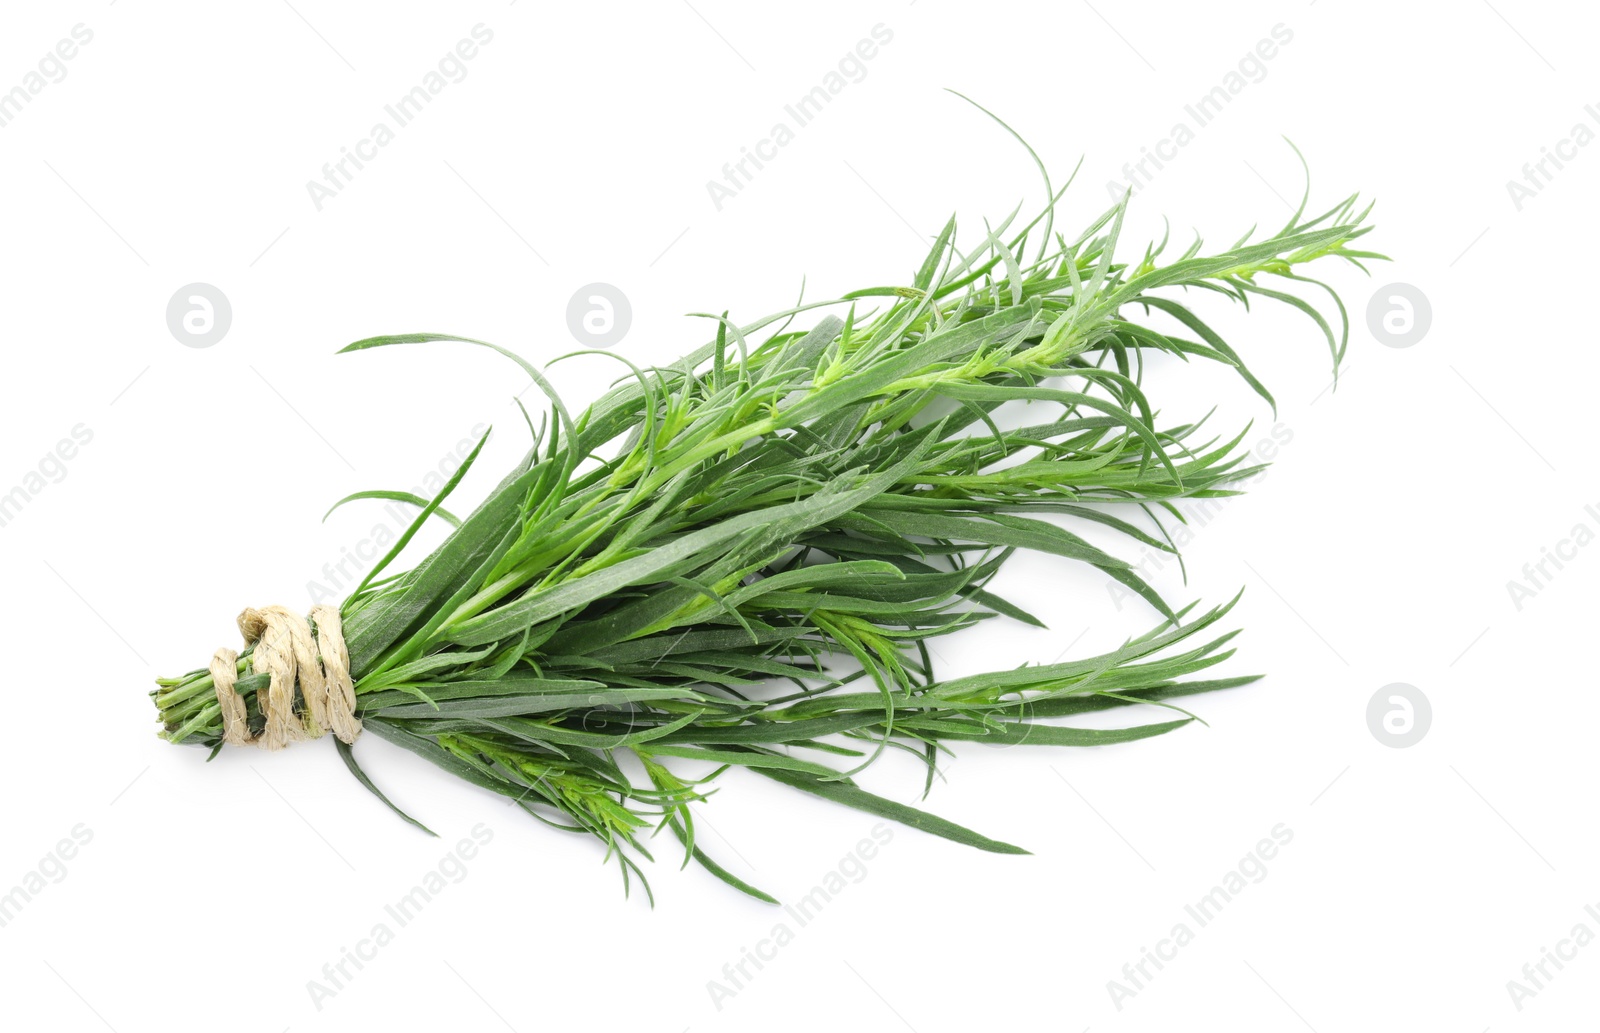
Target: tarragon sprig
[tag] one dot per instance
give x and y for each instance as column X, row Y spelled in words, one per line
column 738, row 559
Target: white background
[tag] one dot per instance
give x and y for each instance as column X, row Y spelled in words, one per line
column 1378, row 550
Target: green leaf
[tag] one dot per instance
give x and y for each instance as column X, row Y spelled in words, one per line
column 349, row 758
column 861, row 800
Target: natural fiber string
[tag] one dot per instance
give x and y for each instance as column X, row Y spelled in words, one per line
column 291, row 650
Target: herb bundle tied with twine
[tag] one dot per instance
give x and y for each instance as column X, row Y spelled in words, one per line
column 738, row 560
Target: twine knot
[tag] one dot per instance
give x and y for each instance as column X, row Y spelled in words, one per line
column 293, row 651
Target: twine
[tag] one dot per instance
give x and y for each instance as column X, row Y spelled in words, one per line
column 292, row 650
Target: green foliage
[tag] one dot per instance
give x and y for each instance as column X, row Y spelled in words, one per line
column 737, row 560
